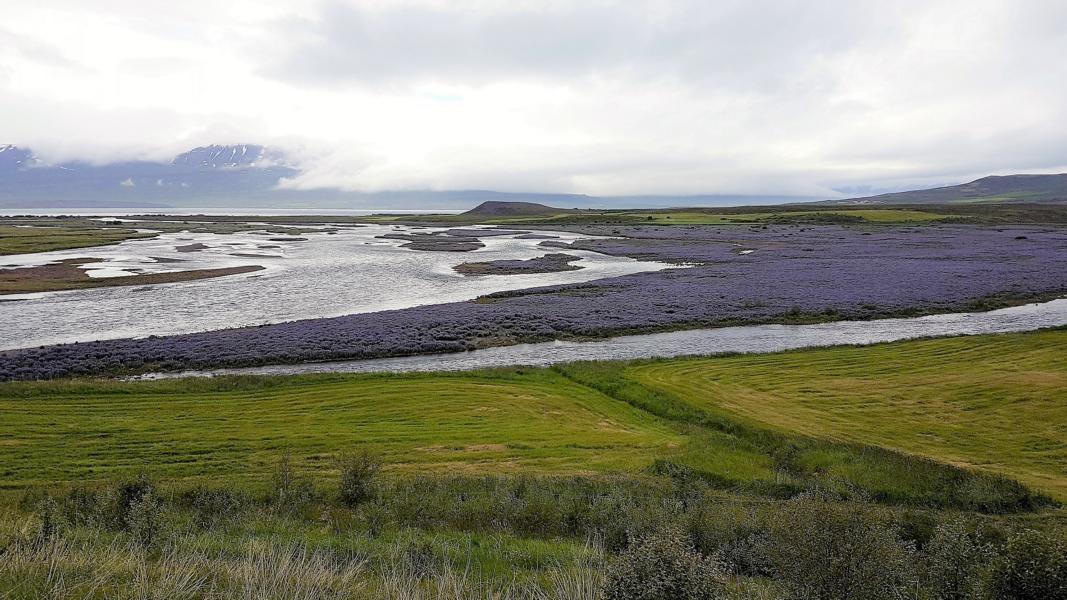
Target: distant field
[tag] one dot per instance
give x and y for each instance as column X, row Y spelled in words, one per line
column 860, row 215
column 25, row 240
column 713, row 216
column 536, row 422
column 998, row 403
column 690, row 216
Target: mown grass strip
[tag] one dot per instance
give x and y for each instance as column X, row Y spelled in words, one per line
column 534, row 421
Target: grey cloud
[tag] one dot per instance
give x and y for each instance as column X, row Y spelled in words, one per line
column 759, row 45
column 634, row 96
column 35, row 50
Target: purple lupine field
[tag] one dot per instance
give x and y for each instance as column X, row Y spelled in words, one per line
column 727, row 275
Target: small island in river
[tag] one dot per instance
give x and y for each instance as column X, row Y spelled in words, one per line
column 549, row 263
column 435, row 242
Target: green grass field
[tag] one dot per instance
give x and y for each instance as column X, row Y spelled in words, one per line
column 767, row 424
column 528, row 483
column 537, row 422
column 998, row 403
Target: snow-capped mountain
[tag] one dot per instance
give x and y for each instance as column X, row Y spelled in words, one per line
column 202, row 175
column 231, row 157
column 13, row 158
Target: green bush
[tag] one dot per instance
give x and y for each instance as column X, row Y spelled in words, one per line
column 736, row 534
column 1034, row 567
column 358, row 474
column 956, row 563
column 291, row 490
column 144, row 518
column 664, row 566
column 833, row 551
column 48, row 510
column 213, row 507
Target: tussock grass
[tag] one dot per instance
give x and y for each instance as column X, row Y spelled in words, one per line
column 90, row 563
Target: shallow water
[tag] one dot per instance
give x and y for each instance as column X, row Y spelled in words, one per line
column 757, row 338
column 327, row 275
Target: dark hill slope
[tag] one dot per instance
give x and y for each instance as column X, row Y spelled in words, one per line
column 996, row 188
column 495, row 208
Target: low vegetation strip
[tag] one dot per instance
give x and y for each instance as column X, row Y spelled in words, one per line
column 25, row 239
column 67, row 275
column 493, row 422
column 995, row 403
column 29, row 234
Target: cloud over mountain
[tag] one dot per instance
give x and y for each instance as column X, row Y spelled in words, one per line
column 656, row 96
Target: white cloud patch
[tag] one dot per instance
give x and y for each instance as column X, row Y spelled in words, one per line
column 598, row 97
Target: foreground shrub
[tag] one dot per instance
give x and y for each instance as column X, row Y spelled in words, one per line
column 138, row 509
column 48, row 510
column 957, row 563
column 735, row 534
column 144, row 519
column 291, row 491
column 358, row 474
column 213, row 507
column 664, row 566
column 833, row 551
column 1034, row 567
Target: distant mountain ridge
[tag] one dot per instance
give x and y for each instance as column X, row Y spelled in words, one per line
column 995, row 188
column 209, row 173
column 244, row 176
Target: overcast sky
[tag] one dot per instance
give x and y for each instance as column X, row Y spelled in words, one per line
column 597, row 97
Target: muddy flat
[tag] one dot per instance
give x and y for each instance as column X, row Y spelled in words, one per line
column 66, row 275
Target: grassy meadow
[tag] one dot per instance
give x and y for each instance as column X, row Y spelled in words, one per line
column 733, row 475
column 896, row 421
column 535, row 421
column 996, row 403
